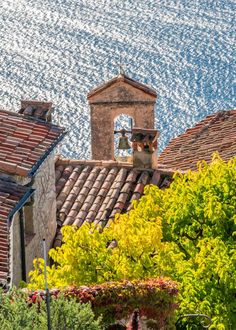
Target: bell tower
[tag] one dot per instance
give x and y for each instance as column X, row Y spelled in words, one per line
column 120, row 95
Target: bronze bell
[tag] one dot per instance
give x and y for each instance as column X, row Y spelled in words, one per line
column 123, row 143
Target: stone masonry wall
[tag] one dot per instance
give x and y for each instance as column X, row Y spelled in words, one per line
column 15, row 251
column 43, row 216
column 44, row 212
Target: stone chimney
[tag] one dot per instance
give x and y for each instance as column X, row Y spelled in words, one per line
column 37, row 109
column 120, row 95
column 144, row 143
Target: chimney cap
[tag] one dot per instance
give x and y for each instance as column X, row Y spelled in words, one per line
column 38, row 109
column 144, row 135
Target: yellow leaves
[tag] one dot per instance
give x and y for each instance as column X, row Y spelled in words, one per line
column 84, row 257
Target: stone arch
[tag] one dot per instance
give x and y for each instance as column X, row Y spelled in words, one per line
column 122, row 121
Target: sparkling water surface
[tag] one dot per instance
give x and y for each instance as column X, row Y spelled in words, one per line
column 59, row 50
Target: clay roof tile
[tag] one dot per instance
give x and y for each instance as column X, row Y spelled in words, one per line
column 20, row 136
column 215, row 133
column 96, row 193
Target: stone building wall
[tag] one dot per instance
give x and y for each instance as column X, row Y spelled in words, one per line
column 15, row 251
column 43, row 212
column 119, row 98
column 40, row 220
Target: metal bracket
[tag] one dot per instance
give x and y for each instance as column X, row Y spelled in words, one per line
column 196, row 321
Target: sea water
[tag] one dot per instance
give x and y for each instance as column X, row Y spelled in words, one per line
column 59, row 50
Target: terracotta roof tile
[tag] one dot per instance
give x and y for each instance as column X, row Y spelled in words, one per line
column 11, row 195
column 24, row 142
column 90, row 191
column 216, row 132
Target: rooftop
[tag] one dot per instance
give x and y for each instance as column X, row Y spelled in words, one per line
column 25, row 142
column 215, row 133
column 95, row 191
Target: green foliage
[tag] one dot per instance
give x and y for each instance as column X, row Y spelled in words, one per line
column 201, row 204
column 187, row 231
column 16, row 313
column 117, row 300
column 199, row 226
column 85, row 258
column 68, row 314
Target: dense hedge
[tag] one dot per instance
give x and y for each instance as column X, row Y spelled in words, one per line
column 154, row 298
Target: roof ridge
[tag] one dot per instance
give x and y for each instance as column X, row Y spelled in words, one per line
column 104, row 163
column 215, row 116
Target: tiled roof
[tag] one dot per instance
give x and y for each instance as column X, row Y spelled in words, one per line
column 25, row 142
column 216, row 132
column 95, row 191
column 11, row 196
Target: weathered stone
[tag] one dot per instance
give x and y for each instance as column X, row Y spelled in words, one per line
column 41, row 218
column 119, row 96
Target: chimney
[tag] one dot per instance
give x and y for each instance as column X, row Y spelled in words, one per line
column 144, row 143
column 37, row 109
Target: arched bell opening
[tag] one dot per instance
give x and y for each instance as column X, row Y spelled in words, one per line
column 123, row 125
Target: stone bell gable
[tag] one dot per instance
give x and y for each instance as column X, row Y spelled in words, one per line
column 120, row 95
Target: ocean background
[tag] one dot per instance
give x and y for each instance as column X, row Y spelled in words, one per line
column 59, row 50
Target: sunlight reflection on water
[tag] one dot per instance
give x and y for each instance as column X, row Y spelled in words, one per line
column 59, row 50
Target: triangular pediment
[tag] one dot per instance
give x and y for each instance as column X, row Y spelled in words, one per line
column 122, row 89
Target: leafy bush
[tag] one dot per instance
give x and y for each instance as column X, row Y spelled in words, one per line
column 85, row 257
column 153, row 298
column 16, row 313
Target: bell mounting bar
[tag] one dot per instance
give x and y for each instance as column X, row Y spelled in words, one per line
column 122, row 132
